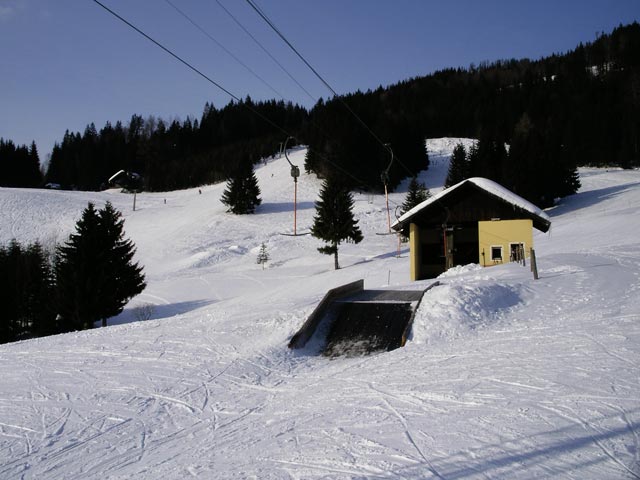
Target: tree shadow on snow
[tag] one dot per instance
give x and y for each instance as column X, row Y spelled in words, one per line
column 146, row 311
column 390, row 254
column 280, row 207
column 563, row 456
column 587, row 199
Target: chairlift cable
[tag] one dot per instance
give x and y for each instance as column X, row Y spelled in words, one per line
column 257, row 42
column 219, row 86
column 315, row 72
column 225, row 49
column 187, row 64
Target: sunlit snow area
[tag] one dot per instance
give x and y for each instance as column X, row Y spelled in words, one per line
column 503, row 376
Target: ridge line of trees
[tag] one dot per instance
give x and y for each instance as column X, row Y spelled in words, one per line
column 19, row 165
column 583, row 104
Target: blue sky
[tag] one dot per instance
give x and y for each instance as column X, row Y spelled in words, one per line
column 66, row 63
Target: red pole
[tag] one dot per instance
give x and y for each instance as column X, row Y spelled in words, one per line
column 295, row 202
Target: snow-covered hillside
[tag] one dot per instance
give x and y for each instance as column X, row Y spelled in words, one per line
column 504, row 376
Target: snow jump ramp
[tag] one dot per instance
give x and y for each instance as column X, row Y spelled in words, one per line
column 353, row 321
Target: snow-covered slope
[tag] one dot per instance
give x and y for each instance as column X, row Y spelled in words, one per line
column 504, row 376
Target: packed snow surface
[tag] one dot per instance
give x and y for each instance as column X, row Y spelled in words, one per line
column 503, row 377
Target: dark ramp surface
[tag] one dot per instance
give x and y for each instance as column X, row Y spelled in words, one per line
column 361, row 327
column 395, row 296
column 353, row 321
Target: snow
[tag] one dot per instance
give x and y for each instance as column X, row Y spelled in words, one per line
column 503, row 376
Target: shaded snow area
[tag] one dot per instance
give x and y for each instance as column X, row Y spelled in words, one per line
column 503, row 377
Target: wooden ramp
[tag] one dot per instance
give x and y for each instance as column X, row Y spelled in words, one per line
column 353, row 321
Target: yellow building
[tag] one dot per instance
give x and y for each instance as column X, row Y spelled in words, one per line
column 475, row 221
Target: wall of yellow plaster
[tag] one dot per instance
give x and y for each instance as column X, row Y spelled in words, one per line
column 503, row 232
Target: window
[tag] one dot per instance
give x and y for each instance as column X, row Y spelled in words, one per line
column 496, row 253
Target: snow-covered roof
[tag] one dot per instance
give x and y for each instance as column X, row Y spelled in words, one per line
column 488, row 186
column 115, row 175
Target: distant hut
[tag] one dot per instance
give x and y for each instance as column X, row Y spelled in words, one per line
column 129, row 181
column 474, row 221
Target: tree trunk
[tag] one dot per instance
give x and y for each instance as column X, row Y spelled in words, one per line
column 335, row 258
column 104, row 322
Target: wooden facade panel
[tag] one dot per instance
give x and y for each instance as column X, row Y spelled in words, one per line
column 467, row 205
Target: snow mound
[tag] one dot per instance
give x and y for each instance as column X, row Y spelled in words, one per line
column 457, row 308
column 461, row 269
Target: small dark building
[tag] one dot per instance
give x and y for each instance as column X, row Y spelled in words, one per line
column 475, row 221
column 130, row 181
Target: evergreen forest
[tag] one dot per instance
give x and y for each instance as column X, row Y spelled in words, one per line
column 535, row 119
column 86, row 280
column 19, row 165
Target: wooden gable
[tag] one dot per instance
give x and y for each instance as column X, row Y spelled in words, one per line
column 465, row 204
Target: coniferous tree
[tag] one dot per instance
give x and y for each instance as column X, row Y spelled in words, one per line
column 242, row 194
column 33, row 173
column 311, row 161
column 11, row 328
column 334, row 221
column 78, row 275
column 124, row 277
column 487, row 158
column 19, row 165
column 26, row 288
column 416, row 194
column 527, row 161
column 458, row 166
column 263, row 256
column 95, row 275
column 40, row 291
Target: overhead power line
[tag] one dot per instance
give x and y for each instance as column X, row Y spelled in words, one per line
column 225, row 49
column 187, row 64
column 323, row 157
column 284, row 39
column 257, row 42
column 326, row 84
column 213, row 82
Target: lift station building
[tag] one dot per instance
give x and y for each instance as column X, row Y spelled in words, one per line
column 474, row 221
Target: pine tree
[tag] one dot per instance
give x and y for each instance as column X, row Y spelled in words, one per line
column 26, row 289
column 263, row 256
column 416, row 194
column 528, row 165
column 76, row 273
column 37, row 291
column 242, row 194
column 95, row 275
column 487, row 158
column 458, row 166
column 10, row 288
column 311, row 161
column 334, row 221
column 124, row 277
column 19, row 165
column 33, row 173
